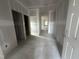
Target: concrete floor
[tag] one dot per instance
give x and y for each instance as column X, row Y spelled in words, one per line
column 44, row 33
column 36, row 48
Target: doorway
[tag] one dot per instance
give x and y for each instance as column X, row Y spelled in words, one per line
column 18, row 24
column 44, row 26
column 27, row 26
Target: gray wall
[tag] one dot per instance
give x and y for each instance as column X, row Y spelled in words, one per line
column 51, row 23
column 61, row 15
column 7, row 31
column 1, row 54
column 18, row 6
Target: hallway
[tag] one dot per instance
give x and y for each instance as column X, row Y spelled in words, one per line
column 36, row 48
column 54, row 24
column 44, row 33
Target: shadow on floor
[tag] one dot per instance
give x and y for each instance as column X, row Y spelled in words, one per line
column 59, row 46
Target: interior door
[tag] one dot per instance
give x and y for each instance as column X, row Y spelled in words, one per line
column 18, row 24
column 71, row 42
column 27, row 25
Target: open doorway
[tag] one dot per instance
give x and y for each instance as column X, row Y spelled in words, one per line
column 27, row 26
column 18, row 24
column 44, row 26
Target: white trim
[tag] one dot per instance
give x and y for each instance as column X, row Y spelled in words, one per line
column 66, row 50
column 77, row 28
column 71, row 53
column 24, row 26
column 74, row 2
column 70, row 24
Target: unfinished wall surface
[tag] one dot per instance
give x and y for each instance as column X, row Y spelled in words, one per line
column 7, row 31
column 61, row 15
column 1, row 54
column 51, row 23
column 18, row 6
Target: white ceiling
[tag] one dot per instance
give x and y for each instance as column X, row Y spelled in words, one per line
column 43, row 5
